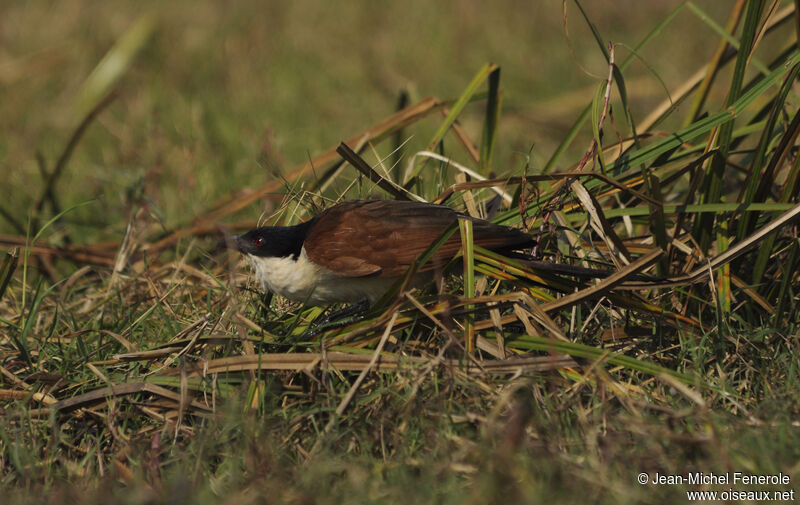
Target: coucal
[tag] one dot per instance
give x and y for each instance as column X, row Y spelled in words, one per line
column 355, row 250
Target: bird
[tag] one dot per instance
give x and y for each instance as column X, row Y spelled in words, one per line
column 356, row 250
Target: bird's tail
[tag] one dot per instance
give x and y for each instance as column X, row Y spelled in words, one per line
column 575, row 271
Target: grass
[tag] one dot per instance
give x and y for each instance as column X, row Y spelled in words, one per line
column 140, row 364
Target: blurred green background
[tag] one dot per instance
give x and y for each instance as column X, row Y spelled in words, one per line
column 223, row 95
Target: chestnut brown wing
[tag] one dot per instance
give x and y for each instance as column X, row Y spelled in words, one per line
column 383, row 238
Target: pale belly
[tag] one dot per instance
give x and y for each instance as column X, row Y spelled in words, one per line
column 303, row 281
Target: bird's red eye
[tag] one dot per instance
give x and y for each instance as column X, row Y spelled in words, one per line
column 258, row 242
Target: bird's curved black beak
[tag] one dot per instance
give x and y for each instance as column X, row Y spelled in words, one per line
column 229, row 242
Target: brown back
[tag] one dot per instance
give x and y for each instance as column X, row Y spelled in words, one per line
column 383, row 238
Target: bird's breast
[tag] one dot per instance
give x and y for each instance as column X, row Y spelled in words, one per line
column 294, row 278
column 302, row 280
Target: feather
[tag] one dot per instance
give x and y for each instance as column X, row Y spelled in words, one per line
column 383, row 238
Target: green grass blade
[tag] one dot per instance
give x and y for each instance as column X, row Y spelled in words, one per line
column 115, row 63
column 704, row 125
column 621, row 167
column 589, row 352
column 713, row 67
column 695, row 208
column 657, row 224
column 455, row 110
column 599, row 39
column 490, row 123
column 597, row 107
column 601, row 43
column 31, row 242
column 575, row 129
column 722, row 32
column 723, row 274
column 467, row 246
column 747, row 223
column 57, row 217
column 784, row 290
column 711, row 189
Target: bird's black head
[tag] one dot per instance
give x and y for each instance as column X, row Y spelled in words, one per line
column 274, row 241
